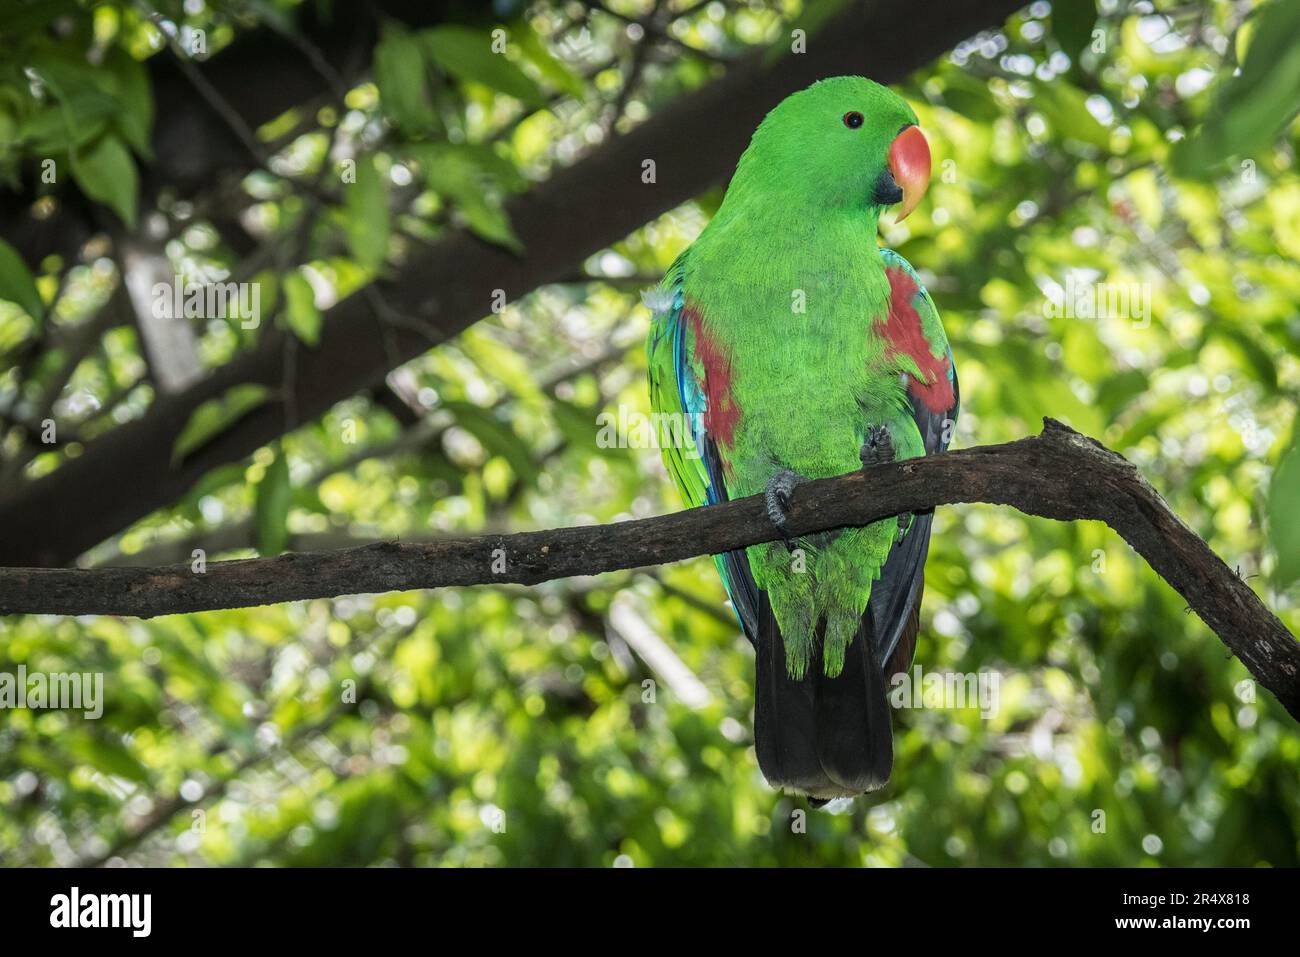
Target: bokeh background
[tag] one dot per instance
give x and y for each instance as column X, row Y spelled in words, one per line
column 606, row 721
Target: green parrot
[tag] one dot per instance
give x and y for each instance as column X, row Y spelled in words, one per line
column 795, row 348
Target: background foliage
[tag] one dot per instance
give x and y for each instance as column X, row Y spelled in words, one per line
column 511, row 726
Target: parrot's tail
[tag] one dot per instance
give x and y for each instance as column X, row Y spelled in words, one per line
column 824, row 737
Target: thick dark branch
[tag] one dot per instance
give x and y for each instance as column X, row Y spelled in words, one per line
column 1059, row 474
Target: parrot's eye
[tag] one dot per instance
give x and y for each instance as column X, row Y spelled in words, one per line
column 853, row 119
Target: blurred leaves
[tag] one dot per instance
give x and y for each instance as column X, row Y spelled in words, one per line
column 554, row 70
column 467, row 54
column 400, row 74
column 1065, row 106
column 366, row 215
column 88, row 115
column 128, row 83
column 105, row 172
column 216, row 415
column 1284, row 514
column 1252, row 106
column 300, row 312
column 512, row 725
column 1072, row 24
column 459, row 173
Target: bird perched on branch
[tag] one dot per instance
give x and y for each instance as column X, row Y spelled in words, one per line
column 796, row 348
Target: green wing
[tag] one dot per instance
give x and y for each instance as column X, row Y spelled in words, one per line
column 677, row 390
column 896, row 595
column 676, row 393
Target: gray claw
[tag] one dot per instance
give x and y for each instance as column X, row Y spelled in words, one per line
column 878, row 449
column 779, row 495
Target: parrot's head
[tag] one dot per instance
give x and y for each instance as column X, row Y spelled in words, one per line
column 842, row 143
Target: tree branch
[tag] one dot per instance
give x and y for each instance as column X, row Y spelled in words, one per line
column 1058, row 474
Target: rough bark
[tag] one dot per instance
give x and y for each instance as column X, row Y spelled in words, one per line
column 1059, row 474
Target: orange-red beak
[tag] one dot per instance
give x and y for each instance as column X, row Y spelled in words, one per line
column 909, row 162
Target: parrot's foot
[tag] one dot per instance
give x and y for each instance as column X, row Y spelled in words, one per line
column 780, row 489
column 878, row 449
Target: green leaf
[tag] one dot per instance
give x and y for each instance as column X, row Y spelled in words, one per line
column 1284, row 514
column 109, row 756
column 300, row 312
column 471, row 162
column 17, row 284
column 268, row 282
column 467, row 54
column 497, row 437
column 67, row 123
column 400, row 76
column 1250, row 110
column 1252, row 353
column 216, row 415
column 106, row 173
column 970, row 98
column 366, row 220
column 456, row 175
column 128, row 81
column 576, row 422
column 271, row 512
column 86, row 100
column 1072, row 23
column 492, row 224
column 553, row 70
column 1066, row 108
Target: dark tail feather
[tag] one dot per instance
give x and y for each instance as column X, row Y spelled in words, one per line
column 785, row 733
column 821, row 736
column 905, row 650
column 855, row 738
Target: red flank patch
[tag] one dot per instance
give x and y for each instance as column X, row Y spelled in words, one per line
column 904, row 335
column 722, row 414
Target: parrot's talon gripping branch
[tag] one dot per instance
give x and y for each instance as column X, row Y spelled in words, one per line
column 878, row 449
column 779, row 496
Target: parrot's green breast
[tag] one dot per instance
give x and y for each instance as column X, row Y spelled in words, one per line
column 783, row 333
